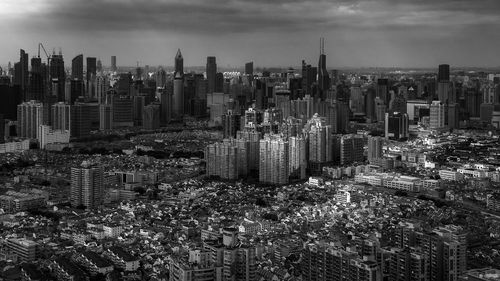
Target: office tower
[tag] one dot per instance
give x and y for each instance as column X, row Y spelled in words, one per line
column 178, row 97
column 211, row 72
column 443, row 73
column 249, row 68
column 380, row 109
column 122, row 111
column 37, row 81
column 161, row 78
column 113, row 63
column 453, row 115
column 84, row 119
column 437, row 115
column 273, row 165
column 179, row 63
column 298, row 157
column 30, row 115
column 11, row 98
column 445, row 92
column 351, row 149
column 21, row 74
column 370, row 104
column 138, row 103
column 2, row 129
column 87, row 186
column 231, row 123
column 323, row 76
column 253, row 137
column 58, row 76
column 357, row 100
column 77, row 68
column 383, row 90
column 61, row 116
column 308, row 78
column 219, row 83
column 101, row 87
column 91, row 68
column 76, row 90
column 320, row 141
column 105, row 117
column 343, row 116
column 151, row 117
column 99, row 65
column 396, row 126
column 375, row 145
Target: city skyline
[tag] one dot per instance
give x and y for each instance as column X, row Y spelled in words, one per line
column 361, row 33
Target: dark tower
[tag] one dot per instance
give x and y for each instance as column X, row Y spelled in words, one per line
column 444, row 73
column 37, row 81
column 211, row 74
column 179, row 63
column 77, row 68
column 249, row 68
column 91, row 67
column 323, row 77
column 58, row 76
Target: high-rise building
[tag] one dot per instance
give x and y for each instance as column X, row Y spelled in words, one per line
column 437, row 115
column 396, row 126
column 231, row 123
column 323, row 76
column 84, row 119
column 11, row 98
column 211, row 72
column 87, row 186
column 2, row 129
column 77, row 68
column 443, row 73
column 30, row 115
column 253, row 138
column 24, row 249
column 37, row 81
column 61, row 116
column 179, row 63
column 113, row 63
column 383, row 90
column 320, row 141
column 58, row 76
column 249, row 68
column 273, row 165
column 91, row 68
column 151, row 117
column 222, row 160
column 122, row 111
column 161, row 78
column 375, row 145
column 298, row 157
column 76, row 90
column 178, row 97
column 351, row 149
column 21, row 74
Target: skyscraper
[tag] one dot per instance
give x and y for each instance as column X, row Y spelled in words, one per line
column 151, row 117
column 61, row 116
column 77, row 68
column 396, row 126
column 87, row 186
column 375, row 147
column 58, row 76
column 21, row 74
column 323, row 76
column 320, row 141
column 30, row 115
column 38, row 83
column 351, row 149
column 178, row 97
column 113, row 63
column 249, row 68
column 211, row 74
column 443, row 73
column 437, row 115
column 298, row 157
column 179, row 63
column 91, row 68
column 274, row 153
column 383, row 90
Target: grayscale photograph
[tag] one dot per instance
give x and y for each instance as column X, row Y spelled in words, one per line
column 250, row 140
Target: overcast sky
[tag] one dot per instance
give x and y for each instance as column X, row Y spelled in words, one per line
column 358, row 33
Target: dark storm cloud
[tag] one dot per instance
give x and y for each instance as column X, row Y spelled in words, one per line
column 215, row 16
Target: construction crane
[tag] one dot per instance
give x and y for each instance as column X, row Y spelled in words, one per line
column 40, row 45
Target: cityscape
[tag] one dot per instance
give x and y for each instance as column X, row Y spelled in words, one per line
column 236, row 168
